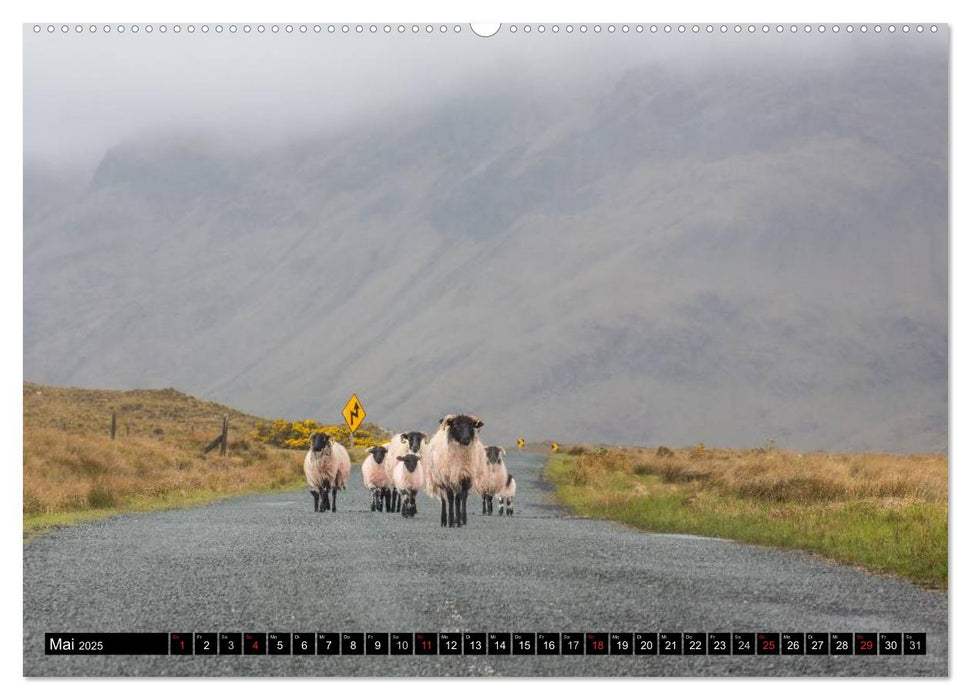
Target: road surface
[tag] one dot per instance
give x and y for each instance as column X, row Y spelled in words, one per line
column 270, row 564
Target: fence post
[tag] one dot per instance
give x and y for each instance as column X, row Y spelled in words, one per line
column 114, row 424
column 352, row 438
column 222, row 446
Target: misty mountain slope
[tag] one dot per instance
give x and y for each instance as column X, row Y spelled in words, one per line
column 722, row 256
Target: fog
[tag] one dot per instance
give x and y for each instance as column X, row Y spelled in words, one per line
column 630, row 238
column 84, row 93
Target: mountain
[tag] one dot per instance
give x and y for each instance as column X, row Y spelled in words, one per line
column 723, row 254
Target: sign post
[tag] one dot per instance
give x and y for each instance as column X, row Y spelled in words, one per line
column 354, row 414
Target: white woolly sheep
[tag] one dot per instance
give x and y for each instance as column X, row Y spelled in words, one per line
column 453, row 458
column 492, row 479
column 404, row 443
column 327, row 467
column 409, row 476
column 506, row 495
column 375, row 476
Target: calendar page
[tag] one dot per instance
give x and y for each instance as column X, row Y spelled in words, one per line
column 514, row 349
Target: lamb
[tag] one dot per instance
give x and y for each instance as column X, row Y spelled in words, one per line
column 412, row 442
column 453, row 458
column 506, row 495
column 491, row 480
column 409, row 476
column 375, row 476
column 327, row 467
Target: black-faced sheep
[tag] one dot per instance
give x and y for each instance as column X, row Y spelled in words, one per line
column 453, row 458
column 375, row 476
column 411, row 442
column 492, row 479
column 409, row 476
column 327, row 467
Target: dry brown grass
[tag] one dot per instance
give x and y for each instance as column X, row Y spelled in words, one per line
column 885, row 512
column 776, row 475
column 71, row 464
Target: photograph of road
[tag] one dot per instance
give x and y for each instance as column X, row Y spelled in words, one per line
column 565, row 328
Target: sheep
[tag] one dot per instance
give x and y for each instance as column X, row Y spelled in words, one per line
column 453, row 458
column 506, row 495
column 375, row 476
column 409, row 476
column 411, row 442
column 492, row 479
column 327, row 467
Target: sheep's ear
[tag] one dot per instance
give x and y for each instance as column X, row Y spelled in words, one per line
column 502, row 451
column 370, row 450
column 424, row 436
column 401, row 458
column 441, row 420
column 404, row 438
column 478, row 424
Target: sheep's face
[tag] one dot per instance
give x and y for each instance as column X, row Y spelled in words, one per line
column 462, row 429
column 494, row 454
column 320, row 442
column 414, row 441
column 410, row 461
column 378, row 453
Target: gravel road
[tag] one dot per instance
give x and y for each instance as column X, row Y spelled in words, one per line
column 270, row 564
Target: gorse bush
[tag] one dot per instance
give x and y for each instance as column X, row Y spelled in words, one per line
column 295, row 435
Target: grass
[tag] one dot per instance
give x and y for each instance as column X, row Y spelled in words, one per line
column 886, row 513
column 73, row 471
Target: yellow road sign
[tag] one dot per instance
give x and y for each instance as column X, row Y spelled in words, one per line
column 555, row 446
column 520, row 442
column 353, row 413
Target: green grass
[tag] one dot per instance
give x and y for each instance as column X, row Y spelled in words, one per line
column 905, row 537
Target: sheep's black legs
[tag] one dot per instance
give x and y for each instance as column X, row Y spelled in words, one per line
column 324, row 499
column 316, row 500
column 450, row 494
column 334, row 508
column 444, row 519
column 490, row 505
column 483, row 505
column 500, row 505
column 509, row 507
column 465, row 509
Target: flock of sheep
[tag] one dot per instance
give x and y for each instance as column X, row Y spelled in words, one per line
column 446, row 466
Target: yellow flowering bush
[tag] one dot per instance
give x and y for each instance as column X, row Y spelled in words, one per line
column 295, row 435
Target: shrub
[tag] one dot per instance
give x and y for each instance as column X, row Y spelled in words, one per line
column 295, row 435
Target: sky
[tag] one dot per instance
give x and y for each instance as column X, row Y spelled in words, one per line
column 84, row 93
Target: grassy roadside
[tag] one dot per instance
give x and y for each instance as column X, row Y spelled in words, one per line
column 74, row 472
column 885, row 513
column 43, row 523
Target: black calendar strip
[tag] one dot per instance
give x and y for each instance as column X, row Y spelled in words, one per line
column 488, row 643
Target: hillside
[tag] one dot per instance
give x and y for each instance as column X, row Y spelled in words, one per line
column 72, row 468
column 726, row 252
